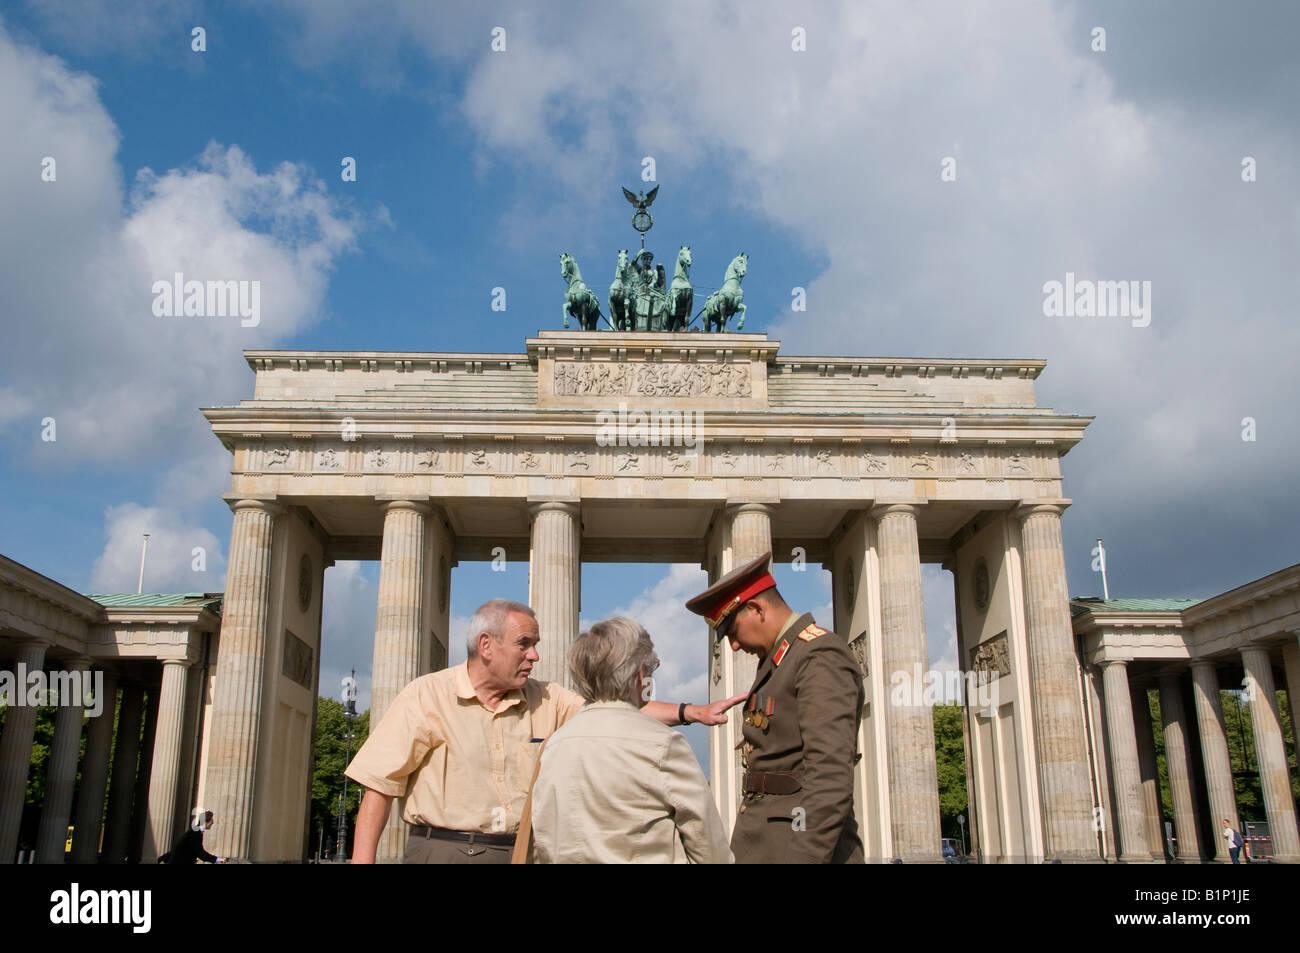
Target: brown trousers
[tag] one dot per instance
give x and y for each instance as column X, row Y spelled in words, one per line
column 430, row 850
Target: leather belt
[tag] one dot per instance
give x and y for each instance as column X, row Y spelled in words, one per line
column 772, row 782
column 464, row 837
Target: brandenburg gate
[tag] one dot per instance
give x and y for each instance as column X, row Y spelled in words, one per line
column 868, row 466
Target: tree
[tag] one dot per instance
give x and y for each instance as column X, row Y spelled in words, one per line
column 331, row 752
column 950, row 761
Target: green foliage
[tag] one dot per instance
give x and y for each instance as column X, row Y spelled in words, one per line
column 331, row 758
column 950, row 760
column 1240, row 733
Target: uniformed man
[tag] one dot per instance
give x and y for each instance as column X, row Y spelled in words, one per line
column 801, row 724
column 459, row 746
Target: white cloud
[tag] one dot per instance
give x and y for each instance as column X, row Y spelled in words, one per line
column 171, row 563
column 351, row 600
column 680, row 638
column 81, row 258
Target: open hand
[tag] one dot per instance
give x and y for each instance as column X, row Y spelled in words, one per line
column 715, row 713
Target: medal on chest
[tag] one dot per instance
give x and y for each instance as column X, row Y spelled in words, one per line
column 758, row 713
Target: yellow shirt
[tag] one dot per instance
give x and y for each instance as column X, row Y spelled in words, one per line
column 451, row 761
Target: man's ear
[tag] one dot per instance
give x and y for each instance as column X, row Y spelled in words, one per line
column 485, row 646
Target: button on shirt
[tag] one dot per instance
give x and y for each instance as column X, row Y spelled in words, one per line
column 453, row 762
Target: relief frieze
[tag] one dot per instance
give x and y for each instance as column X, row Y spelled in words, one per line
column 603, row 379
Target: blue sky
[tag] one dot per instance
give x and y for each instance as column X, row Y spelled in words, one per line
column 477, row 167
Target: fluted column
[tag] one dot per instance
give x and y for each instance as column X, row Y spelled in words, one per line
column 237, row 691
column 1181, row 788
column 1270, row 751
column 1101, row 760
column 397, row 632
column 1291, row 669
column 121, row 790
column 61, row 772
column 751, row 537
column 1214, row 754
column 1124, row 770
column 164, row 776
column 1150, row 768
column 909, row 727
column 397, row 621
column 94, row 778
column 16, row 752
column 554, row 581
column 1059, row 741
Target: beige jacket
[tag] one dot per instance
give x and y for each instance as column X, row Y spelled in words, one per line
column 617, row 787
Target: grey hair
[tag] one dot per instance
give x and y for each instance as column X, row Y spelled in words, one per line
column 606, row 659
column 491, row 617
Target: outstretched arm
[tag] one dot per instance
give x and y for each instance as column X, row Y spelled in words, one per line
column 714, row 713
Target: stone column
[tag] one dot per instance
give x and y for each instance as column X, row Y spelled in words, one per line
column 909, row 728
column 94, row 778
column 1270, row 750
column 397, row 633
column 1291, row 668
column 1146, row 741
column 1059, row 742
column 1121, row 740
column 16, row 751
column 397, row 621
column 1214, row 754
column 742, row 533
column 1101, row 759
column 1181, row 788
column 61, row 772
column 164, row 777
column 237, row 690
column 554, row 585
column 121, row 791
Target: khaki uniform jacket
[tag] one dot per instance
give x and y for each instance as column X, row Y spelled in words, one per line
column 809, row 691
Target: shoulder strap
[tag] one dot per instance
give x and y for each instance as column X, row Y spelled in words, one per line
column 524, row 839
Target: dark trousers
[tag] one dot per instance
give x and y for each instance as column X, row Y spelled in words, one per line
column 431, row 850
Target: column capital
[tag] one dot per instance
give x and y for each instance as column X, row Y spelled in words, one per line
column 270, row 507
column 1253, row 648
column 183, row 662
column 1105, row 663
column 32, row 642
column 572, row 507
column 424, row 509
column 1028, row 508
column 748, row 506
column 881, row 510
column 1202, row 663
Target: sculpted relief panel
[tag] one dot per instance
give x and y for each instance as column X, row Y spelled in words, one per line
column 801, row 460
column 608, row 379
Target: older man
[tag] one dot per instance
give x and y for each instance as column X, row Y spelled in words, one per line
column 459, row 746
column 616, row 787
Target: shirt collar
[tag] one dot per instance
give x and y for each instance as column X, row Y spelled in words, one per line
column 465, row 689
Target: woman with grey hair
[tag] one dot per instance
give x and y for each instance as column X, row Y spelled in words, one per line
column 614, row 786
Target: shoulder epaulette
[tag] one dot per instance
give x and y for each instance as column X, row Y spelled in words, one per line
column 812, row 632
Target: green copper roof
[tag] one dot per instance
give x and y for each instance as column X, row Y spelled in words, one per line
column 1093, row 604
column 149, row 600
